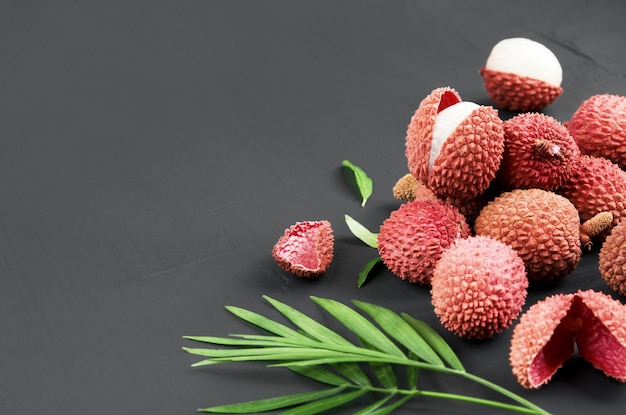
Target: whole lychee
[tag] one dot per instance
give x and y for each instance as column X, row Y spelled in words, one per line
column 612, row 258
column 305, row 249
column 599, row 127
column 538, row 152
column 596, row 185
column 478, row 287
column 454, row 147
column 522, row 75
column 541, row 226
column 412, row 239
column 546, row 333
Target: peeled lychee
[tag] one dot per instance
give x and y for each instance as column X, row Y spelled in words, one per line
column 596, row 185
column 538, row 152
column 599, row 127
column 412, row 239
column 454, row 147
column 522, row 75
column 478, row 287
column 612, row 259
column 546, row 334
column 541, row 226
column 305, row 249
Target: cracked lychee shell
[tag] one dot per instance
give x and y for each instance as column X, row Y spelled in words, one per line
column 546, row 335
column 612, row 258
column 452, row 146
column 541, row 226
column 599, row 127
column 538, row 153
column 413, row 237
column 596, row 185
column 478, row 287
column 522, row 75
column 305, row 249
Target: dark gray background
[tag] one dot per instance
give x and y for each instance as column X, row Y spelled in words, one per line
column 152, row 153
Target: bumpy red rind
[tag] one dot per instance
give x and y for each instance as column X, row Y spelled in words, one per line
column 305, row 249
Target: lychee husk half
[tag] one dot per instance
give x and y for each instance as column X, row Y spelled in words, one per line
column 478, row 287
column 454, row 147
column 413, row 237
column 599, row 127
column 522, row 75
column 538, row 153
column 612, row 259
column 596, row 185
column 546, row 335
column 305, row 249
column 541, row 226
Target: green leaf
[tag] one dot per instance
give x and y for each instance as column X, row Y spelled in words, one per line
column 412, row 373
column 368, row 410
column 307, row 324
column 322, row 405
column 383, row 371
column 363, row 182
column 264, row 323
column 367, row 269
column 319, row 374
column 399, row 329
column 436, row 342
column 359, row 325
column 271, row 404
column 353, row 372
column 361, row 232
column 390, row 408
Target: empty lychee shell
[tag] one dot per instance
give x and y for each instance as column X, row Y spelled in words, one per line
column 541, row 226
column 538, row 152
column 478, row 287
column 454, row 147
column 305, row 249
column 547, row 333
column 599, row 127
column 413, row 237
column 522, row 75
column 612, row 259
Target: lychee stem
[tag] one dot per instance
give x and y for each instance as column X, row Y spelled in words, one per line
column 594, row 227
column 547, row 149
column 404, row 189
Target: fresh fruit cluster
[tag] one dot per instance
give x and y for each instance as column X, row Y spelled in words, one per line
column 492, row 207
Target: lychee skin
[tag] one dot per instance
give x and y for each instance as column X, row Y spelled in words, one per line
column 546, row 333
column 541, row 226
column 468, row 159
column 538, row 153
column 478, row 287
column 412, row 239
column 612, row 258
column 305, row 249
column 517, row 93
column 599, row 127
column 596, row 185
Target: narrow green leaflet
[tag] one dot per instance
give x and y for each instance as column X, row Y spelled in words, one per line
column 321, row 354
column 365, row 273
column 363, row 182
column 435, row 341
column 361, row 232
column 271, row 404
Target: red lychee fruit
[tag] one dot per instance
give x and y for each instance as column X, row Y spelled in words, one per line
column 545, row 336
column 454, row 147
column 522, row 75
column 305, row 249
column 612, row 258
column 478, row 287
column 412, row 239
column 541, row 226
column 538, row 153
column 599, row 127
column 596, row 185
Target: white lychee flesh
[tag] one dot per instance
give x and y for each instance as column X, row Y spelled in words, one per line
column 526, row 57
column 446, row 122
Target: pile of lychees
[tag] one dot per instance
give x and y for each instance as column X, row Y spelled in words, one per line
column 491, row 208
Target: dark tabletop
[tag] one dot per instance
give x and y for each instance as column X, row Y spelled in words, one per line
column 152, row 153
